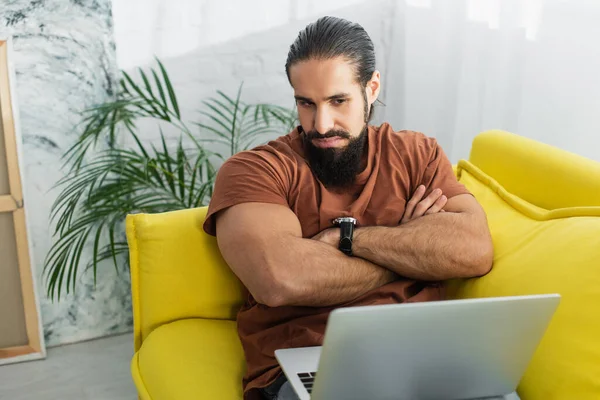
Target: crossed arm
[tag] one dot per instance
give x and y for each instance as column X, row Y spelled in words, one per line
column 263, row 245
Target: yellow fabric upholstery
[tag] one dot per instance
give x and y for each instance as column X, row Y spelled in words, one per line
column 192, row 359
column 545, row 251
column 177, row 272
column 182, row 291
column 543, row 207
column 542, row 175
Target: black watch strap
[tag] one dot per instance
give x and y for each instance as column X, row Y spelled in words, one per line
column 346, row 225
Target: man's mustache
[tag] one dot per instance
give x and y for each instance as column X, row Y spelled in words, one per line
column 312, row 135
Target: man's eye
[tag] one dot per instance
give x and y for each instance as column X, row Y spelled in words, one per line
column 303, row 103
column 339, row 101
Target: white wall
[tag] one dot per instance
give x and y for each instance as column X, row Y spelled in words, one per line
column 560, row 95
column 450, row 68
column 210, row 45
column 528, row 66
column 216, row 45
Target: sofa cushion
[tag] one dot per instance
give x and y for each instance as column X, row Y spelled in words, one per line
column 177, row 271
column 191, row 359
column 545, row 251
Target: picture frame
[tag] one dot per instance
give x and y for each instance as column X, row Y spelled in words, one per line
column 21, row 330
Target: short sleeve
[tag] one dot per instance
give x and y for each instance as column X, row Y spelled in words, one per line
column 438, row 172
column 252, row 176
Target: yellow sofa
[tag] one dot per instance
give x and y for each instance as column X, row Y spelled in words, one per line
column 543, row 206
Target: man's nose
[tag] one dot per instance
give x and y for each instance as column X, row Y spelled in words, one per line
column 323, row 121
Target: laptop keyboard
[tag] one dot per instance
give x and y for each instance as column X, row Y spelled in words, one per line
column 307, row 378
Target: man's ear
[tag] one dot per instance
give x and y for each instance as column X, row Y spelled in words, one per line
column 373, row 87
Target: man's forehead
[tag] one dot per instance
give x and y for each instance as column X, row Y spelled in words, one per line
column 322, row 79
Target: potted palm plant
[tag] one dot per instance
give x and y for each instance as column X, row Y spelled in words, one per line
column 112, row 170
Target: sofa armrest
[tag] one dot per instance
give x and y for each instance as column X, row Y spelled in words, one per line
column 177, row 272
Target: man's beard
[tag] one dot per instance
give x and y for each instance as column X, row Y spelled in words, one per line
column 336, row 167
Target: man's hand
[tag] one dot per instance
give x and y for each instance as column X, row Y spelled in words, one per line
column 415, row 208
column 453, row 244
column 418, row 206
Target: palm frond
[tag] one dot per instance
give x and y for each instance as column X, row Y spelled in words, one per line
column 170, row 90
column 106, row 180
column 239, row 125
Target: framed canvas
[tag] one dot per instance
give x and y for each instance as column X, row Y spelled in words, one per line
column 21, row 334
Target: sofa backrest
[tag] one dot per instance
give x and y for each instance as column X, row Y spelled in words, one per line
column 540, row 174
column 543, row 209
column 177, row 272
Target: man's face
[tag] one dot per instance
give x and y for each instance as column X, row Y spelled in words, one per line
column 329, row 99
column 333, row 109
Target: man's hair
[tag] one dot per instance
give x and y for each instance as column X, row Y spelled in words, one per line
column 331, row 37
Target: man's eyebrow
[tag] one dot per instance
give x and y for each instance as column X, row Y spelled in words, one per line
column 338, row 96
column 301, row 98
column 333, row 97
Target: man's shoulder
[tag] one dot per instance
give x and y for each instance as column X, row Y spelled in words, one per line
column 284, row 145
column 407, row 140
column 279, row 153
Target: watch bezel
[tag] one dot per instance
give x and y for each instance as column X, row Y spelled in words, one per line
column 341, row 220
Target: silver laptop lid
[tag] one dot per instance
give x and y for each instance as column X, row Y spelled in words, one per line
column 436, row 350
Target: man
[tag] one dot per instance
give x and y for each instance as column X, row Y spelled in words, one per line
column 273, row 207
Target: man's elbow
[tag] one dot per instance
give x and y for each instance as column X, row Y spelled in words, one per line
column 481, row 260
column 274, row 291
column 271, row 297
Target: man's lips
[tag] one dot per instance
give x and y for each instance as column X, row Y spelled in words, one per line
column 328, row 142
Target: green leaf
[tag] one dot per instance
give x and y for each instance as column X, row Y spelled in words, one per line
column 172, row 96
column 161, row 106
column 124, row 87
column 233, row 125
column 224, row 107
column 106, row 253
column 202, row 193
column 228, row 121
column 54, row 276
column 146, row 83
column 227, row 98
column 215, row 131
column 148, row 101
column 225, row 126
column 95, row 251
column 74, row 264
column 202, row 158
column 181, row 169
column 165, row 162
column 111, row 236
column 137, row 141
column 161, row 91
column 58, row 249
column 66, row 254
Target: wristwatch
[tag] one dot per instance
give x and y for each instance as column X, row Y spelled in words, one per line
column 346, row 225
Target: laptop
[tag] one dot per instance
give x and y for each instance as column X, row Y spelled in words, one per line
column 455, row 349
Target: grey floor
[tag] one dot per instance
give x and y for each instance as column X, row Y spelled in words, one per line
column 94, row 370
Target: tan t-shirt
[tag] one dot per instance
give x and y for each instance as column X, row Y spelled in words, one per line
column 398, row 162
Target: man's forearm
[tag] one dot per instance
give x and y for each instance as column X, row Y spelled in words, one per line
column 311, row 273
column 435, row 247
